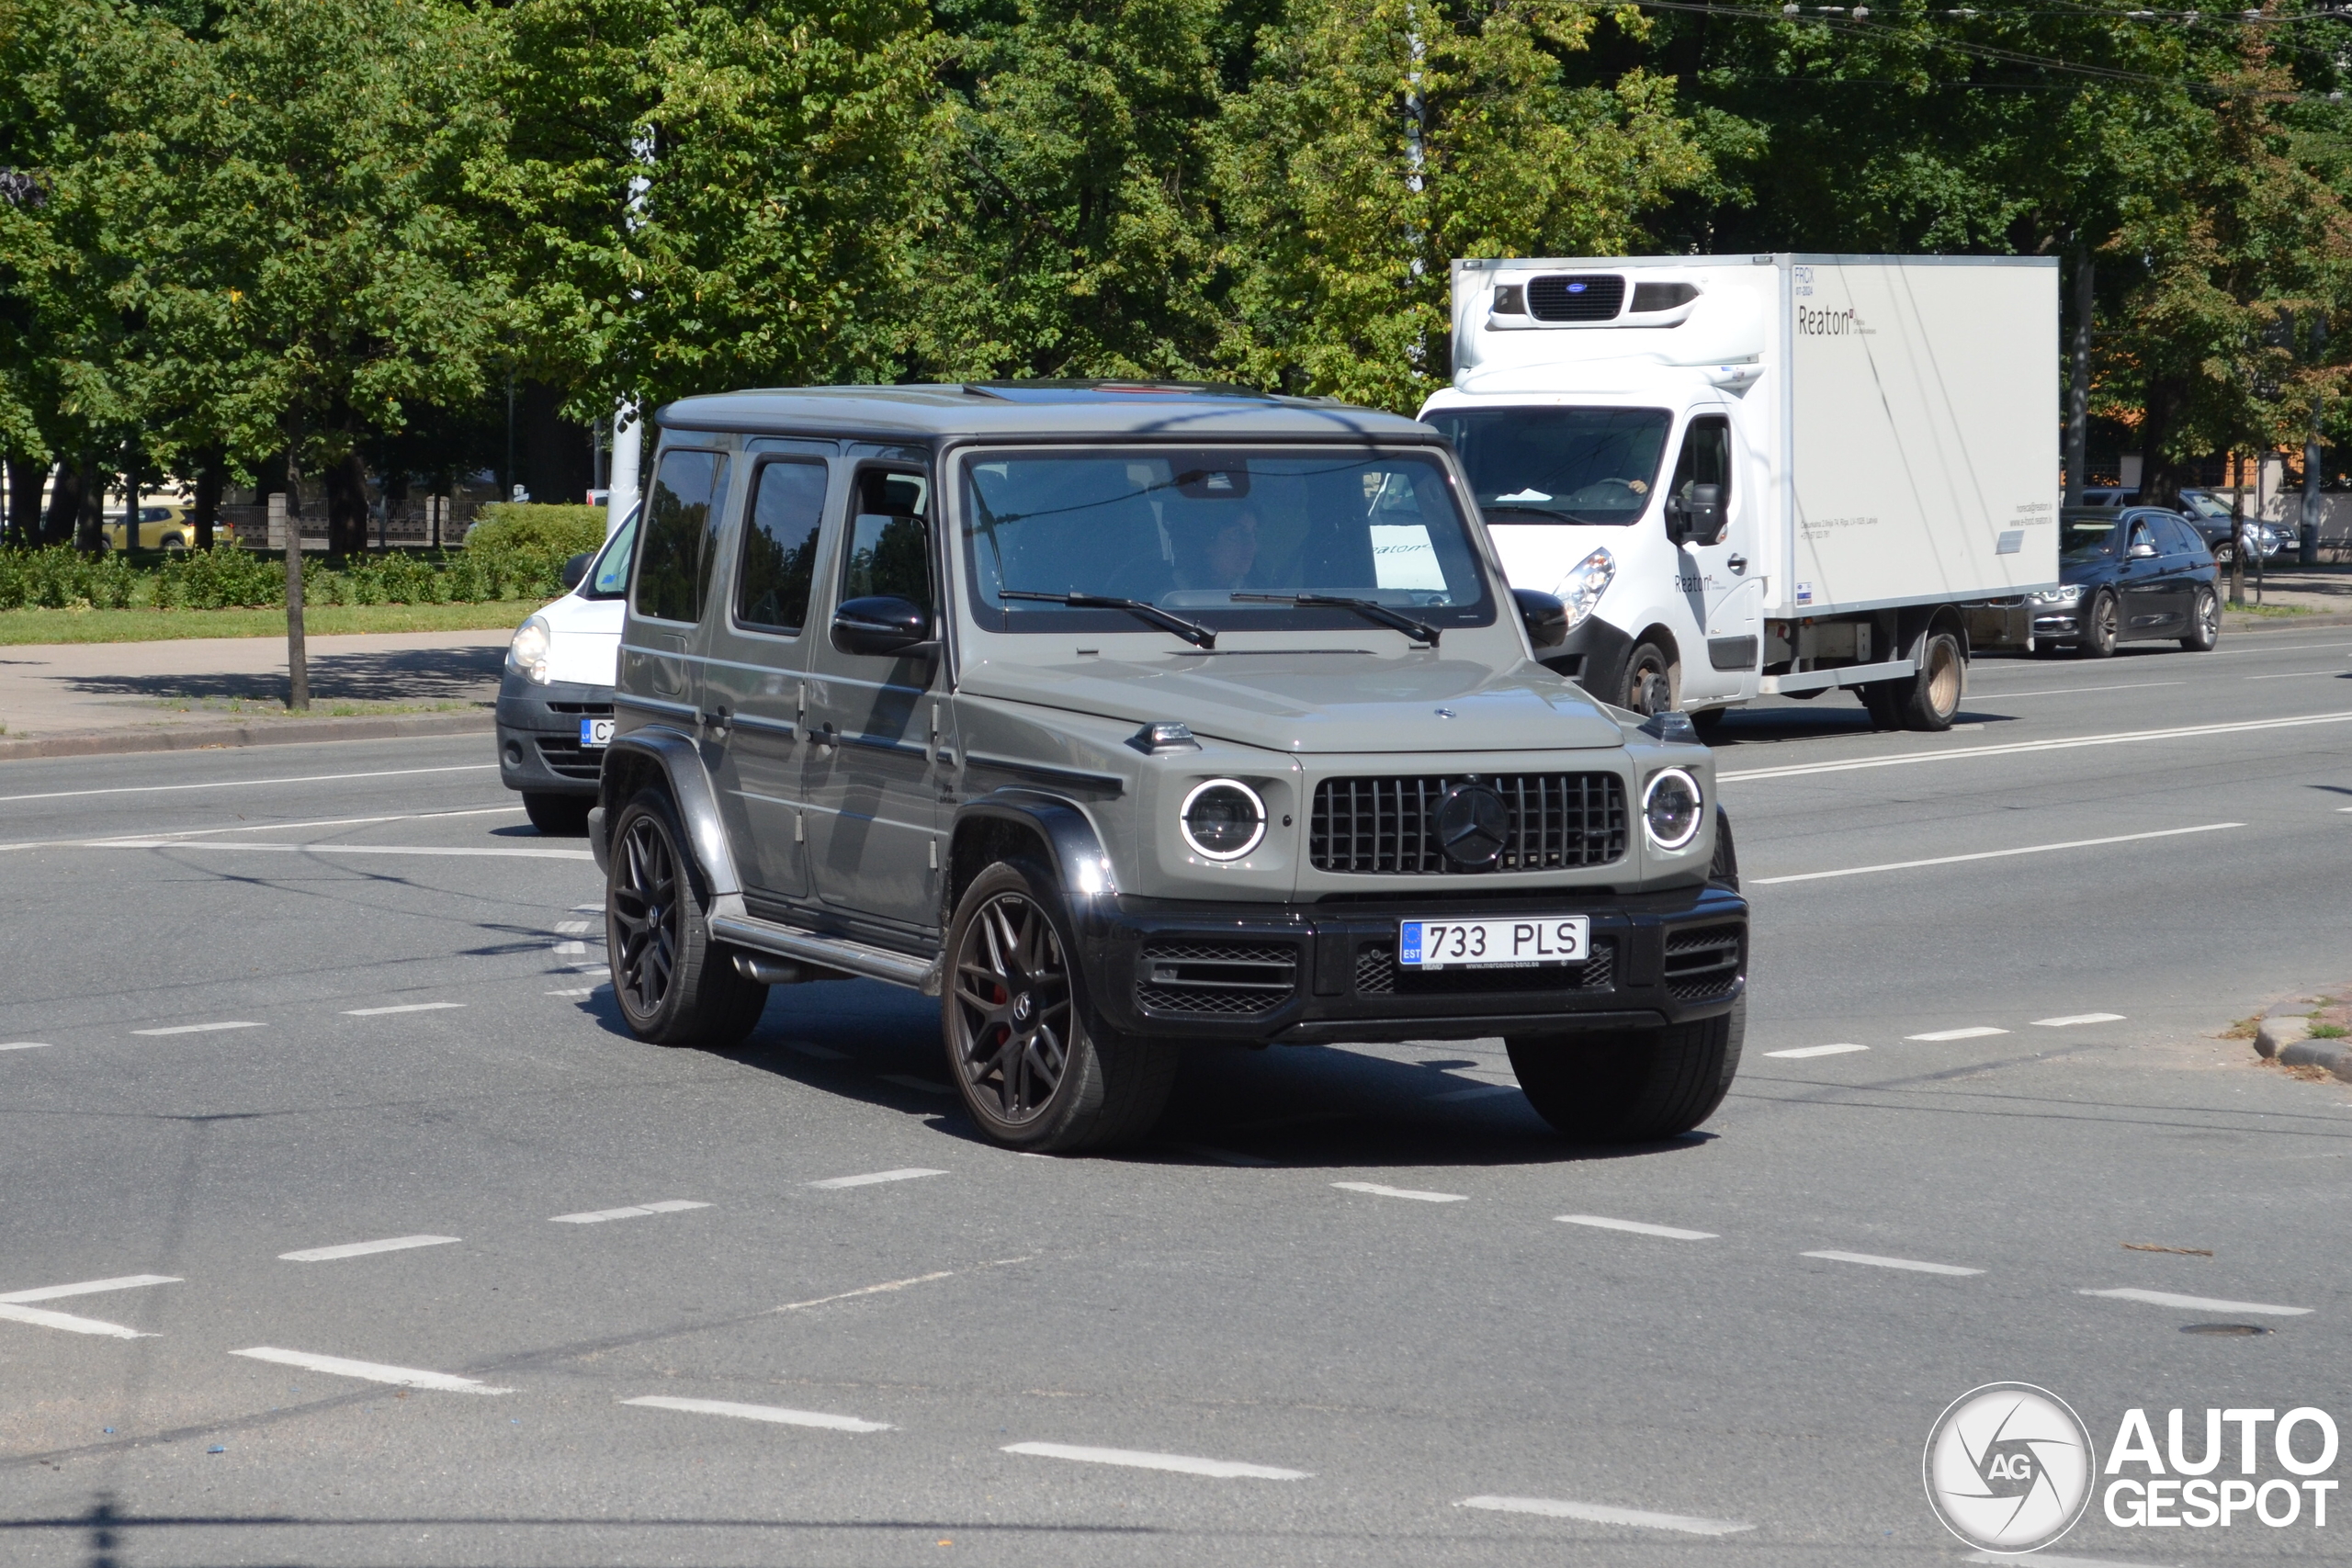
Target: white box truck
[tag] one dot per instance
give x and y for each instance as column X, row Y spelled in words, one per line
column 1751, row 475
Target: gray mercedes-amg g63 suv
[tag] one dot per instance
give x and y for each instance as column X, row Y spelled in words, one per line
column 1124, row 719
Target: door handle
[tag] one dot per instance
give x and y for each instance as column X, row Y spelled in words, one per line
column 1738, row 564
column 716, row 720
column 826, row 735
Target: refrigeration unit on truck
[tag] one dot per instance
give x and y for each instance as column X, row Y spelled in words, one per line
column 1757, row 475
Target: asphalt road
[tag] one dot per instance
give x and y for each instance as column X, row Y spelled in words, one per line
column 641, row 1318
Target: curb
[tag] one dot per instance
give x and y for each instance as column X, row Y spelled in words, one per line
column 2283, row 623
column 197, row 737
column 2284, row 1035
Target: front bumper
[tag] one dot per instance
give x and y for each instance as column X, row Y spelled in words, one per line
column 2057, row 622
column 1593, row 656
column 1257, row 974
column 539, row 736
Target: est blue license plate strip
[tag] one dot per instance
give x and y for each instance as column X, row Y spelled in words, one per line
column 1494, row 944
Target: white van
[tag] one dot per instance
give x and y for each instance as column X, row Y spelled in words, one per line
column 555, row 704
column 1757, row 475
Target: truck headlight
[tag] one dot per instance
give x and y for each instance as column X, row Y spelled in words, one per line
column 1582, row 588
column 1672, row 809
column 2069, row 595
column 527, row 654
column 1222, row 819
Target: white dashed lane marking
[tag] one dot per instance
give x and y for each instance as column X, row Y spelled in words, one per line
column 2021, row 748
column 1877, row 1262
column 1994, row 854
column 572, row 928
column 91, row 1287
column 774, row 1412
column 1377, row 1190
column 877, row 1178
column 67, row 1322
column 1800, row 1052
column 2073, row 1019
column 26, row 1045
column 194, row 1028
column 362, row 1248
column 1975, row 1032
column 563, row 949
column 371, row 1372
column 474, row 853
column 13, row 1307
column 1184, row 1464
column 249, row 783
column 2198, row 1304
column 1604, row 1514
column 577, row 991
column 405, row 1006
column 1671, row 1233
column 598, row 1216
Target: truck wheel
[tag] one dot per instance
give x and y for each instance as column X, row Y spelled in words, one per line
column 676, row 986
column 558, row 815
column 2097, row 638
column 1649, row 680
column 1931, row 699
column 1634, row 1086
column 1036, row 1067
column 1884, row 700
column 2204, row 622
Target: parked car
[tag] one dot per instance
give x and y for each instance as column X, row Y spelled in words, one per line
column 161, row 527
column 1117, row 718
column 2140, row 574
column 555, row 703
column 2210, row 516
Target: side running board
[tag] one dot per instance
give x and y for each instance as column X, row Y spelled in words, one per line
column 831, row 951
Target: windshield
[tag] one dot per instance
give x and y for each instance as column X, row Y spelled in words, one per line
column 607, row 576
column 1204, row 532
column 2200, row 505
column 1558, row 465
column 2084, row 538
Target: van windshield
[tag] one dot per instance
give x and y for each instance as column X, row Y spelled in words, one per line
column 1559, row 465
column 1225, row 537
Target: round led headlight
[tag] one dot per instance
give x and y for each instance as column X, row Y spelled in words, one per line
column 1672, row 809
column 527, row 654
column 1222, row 819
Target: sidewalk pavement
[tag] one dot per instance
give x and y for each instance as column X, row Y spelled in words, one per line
column 2325, row 592
column 74, row 699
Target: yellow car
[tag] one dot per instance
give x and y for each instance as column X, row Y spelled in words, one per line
column 160, row 528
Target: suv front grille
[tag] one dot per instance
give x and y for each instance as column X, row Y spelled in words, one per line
column 1556, row 297
column 1704, row 963
column 1558, row 821
column 1225, row 979
column 568, row 757
column 1377, row 974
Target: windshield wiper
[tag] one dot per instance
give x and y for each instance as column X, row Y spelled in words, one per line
column 1190, row 631
column 1370, row 609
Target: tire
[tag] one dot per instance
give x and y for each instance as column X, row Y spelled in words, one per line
column 1635, row 1086
column 2204, row 622
column 558, row 815
column 675, row 986
column 1649, row 680
column 1028, row 1053
column 1708, row 722
column 1930, row 699
column 2097, row 637
column 1884, row 700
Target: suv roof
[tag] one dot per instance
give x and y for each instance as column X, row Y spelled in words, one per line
column 1037, row 408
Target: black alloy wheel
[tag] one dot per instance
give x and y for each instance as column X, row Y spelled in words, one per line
column 675, row 986
column 1649, row 680
column 645, row 915
column 2204, row 622
column 2099, row 626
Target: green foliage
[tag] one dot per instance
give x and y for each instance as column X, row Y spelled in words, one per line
column 222, row 578
column 536, row 525
column 61, row 579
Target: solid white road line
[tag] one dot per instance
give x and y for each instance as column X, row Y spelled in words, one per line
column 26, row 1045
column 2198, row 1304
column 2073, row 1019
column 1377, row 1190
column 2046, row 1559
column 250, row 784
column 1670, row 1232
column 1974, row 1031
column 598, row 1216
column 314, row 822
column 1184, row 1464
column 195, row 1028
column 90, row 1287
column 361, row 1249
column 2290, row 674
column 69, row 1323
column 1800, row 1052
column 1481, row 1092
column 775, row 1412
column 372, row 1371
column 1877, row 1262
column 331, row 848
column 928, row 1086
column 407, row 1006
column 1994, row 854
column 877, row 1178
column 574, row 991
column 1603, row 1513
column 2020, row 748
column 2072, row 691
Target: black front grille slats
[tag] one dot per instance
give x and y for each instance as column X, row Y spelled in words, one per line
column 1226, row 979
column 568, row 758
column 1382, row 825
column 1704, row 962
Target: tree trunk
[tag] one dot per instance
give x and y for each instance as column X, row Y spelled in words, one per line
column 65, row 506
column 89, row 535
column 2159, row 484
column 346, row 480
column 208, row 499
column 25, row 478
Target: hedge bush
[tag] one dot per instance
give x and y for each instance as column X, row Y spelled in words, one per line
column 228, row 577
column 537, row 528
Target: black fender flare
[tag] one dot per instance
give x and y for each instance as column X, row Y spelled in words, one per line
column 681, row 765
column 1068, row 833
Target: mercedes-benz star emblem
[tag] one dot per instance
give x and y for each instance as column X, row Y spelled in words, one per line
column 1472, row 825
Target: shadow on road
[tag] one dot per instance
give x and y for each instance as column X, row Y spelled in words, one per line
column 410, row 675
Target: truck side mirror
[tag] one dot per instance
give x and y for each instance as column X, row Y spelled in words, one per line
column 1704, row 514
column 1547, row 617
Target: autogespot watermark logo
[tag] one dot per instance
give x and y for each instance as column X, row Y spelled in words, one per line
column 2009, row 1467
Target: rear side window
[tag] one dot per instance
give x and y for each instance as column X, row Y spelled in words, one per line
column 2183, row 539
column 780, row 548
column 681, row 533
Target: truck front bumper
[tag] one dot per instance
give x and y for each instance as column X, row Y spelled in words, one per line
column 539, row 736
column 1257, row 975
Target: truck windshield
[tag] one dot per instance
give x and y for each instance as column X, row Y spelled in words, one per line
column 1559, row 465
column 1216, row 537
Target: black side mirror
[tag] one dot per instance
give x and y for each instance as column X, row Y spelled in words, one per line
column 1704, row 514
column 1547, row 617
column 882, row 627
column 575, row 568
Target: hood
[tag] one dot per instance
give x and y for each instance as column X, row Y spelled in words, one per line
column 1318, row 703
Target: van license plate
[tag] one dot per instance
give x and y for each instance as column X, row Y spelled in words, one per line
column 595, row 732
column 1494, row 944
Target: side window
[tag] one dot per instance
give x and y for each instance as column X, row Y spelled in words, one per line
column 780, row 548
column 2185, row 538
column 2140, row 538
column 889, row 539
column 1706, row 460
column 680, row 533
